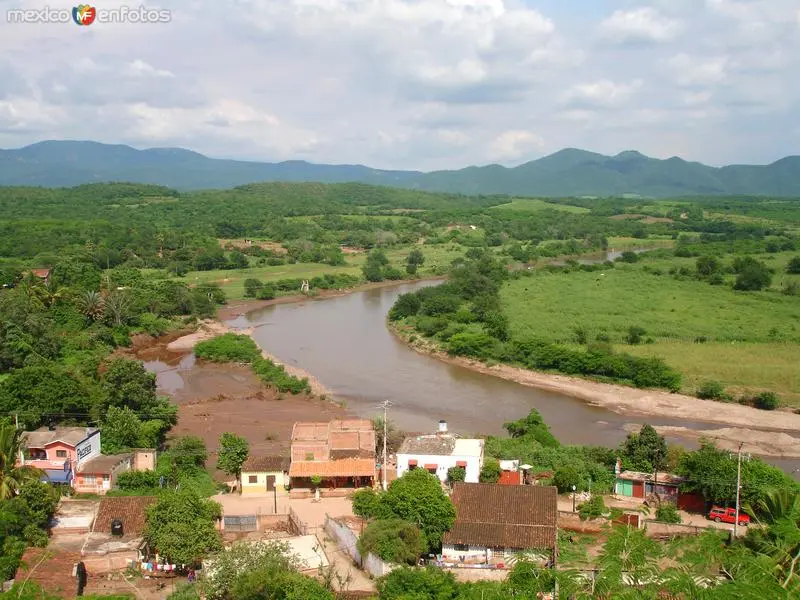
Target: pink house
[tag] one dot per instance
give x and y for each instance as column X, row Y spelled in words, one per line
column 60, row 451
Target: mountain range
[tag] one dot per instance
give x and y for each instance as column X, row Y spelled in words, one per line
column 568, row 172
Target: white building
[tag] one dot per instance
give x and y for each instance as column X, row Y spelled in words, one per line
column 439, row 452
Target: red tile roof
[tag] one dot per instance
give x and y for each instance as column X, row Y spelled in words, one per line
column 265, row 464
column 507, row 516
column 346, row 467
column 131, row 510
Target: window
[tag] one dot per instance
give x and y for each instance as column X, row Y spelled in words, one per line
column 252, row 479
column 61, row 453
column 461, row 547
column 90, row 480
column 106, row 477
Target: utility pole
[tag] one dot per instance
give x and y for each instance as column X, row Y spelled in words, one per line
column 386, row 405
column 738, row 488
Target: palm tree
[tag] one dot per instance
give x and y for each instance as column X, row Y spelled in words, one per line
column 91, row 304
column 49, row 293
column 117, row 307
column 775, row 504
column 13, row 477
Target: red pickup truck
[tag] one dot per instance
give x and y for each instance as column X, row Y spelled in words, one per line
column 728, row 515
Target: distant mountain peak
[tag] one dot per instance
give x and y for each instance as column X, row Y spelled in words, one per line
column 568, row 172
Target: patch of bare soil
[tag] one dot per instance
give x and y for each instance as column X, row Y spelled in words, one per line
column 241, row 243
column 626, row 216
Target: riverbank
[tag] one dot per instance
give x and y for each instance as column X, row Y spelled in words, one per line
column 761, row 425
column 237, row 308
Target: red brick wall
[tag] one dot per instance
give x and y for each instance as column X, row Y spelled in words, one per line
column 638, row 489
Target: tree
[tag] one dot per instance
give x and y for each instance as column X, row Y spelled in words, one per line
column 181, row 526
column 754, row 276
column 246, row 556
column 635, row 335
column 127, row 383
column 394, row 436
column 707, row 266
column 668, row 513
column 91, row 304
column 565, row 477
column 13, row 477
column 429, row 583
column 373, row 267
column 456, row 474
column 644, row 451
column 118, row 307
column 366, row 503
column 532, row 427
column 393, row 540
column 252, row 287
column 490, row 471
column 417, row 497
column 121, row 430
column 189, row 453
column 794, row 266
column 233, row 451
column 414, row 260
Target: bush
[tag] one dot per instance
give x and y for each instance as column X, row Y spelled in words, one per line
column 266, row 293
column 629, row 256
column 635, row 335
column 251, row 287
column 229, row 347
column 593, row 508
column 455, row 474
column 794, row 266
column 406, row 305
column 394, row 540
column 138, row 480
column 366, row 503
column 472, row 343
column 753, row 276
column 565, row 478
column 393, row 273
column 711, row 390
column 668, row 513
column 490, row 472
column 766, row 401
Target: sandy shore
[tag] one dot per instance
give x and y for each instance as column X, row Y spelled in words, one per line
column 755, row 441
column 631, row 401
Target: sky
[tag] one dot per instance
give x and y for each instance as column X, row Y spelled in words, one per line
column 413, row 84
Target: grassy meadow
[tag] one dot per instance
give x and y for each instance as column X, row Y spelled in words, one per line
column 748, row 341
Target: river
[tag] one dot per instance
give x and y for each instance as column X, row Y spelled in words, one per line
column 344, row 343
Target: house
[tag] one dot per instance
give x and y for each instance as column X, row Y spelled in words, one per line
column 439, row 452
column 43, row 274
column 496, row 522
column 634, row 484
column 59, row 451
column 98, row 474
column 341, row 452
column 510, row 473
column 265, row 475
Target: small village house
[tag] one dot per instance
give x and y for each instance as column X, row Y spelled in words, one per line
column 634, row 484
column 440, row 451
column 340, row 452
column 72, row 456
column 494, row 523
column 265, row 475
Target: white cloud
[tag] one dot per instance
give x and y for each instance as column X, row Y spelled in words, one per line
column 601, row 93
column 514, row 144
column 420, row 84
column 644, row 24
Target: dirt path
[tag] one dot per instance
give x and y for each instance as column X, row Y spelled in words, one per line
column 634, row 401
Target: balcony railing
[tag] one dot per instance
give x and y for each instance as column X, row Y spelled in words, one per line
column 43, row 463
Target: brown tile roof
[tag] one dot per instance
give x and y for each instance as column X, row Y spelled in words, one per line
column 41, row 273
column 131, row 510
column 337, row 439
column 266, row 464
column 508, row 516
column 440, row 445
column 104, row 463
column 68, row 435
column 346, row 467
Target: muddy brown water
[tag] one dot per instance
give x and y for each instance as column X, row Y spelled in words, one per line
column 344, row 342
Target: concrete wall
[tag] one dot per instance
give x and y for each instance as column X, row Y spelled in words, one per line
column 260, row 486
column 144, row 460
column 443, row 463
column 347, row 541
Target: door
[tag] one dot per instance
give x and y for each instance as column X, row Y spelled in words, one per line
column 627, row 488
column 270, row 483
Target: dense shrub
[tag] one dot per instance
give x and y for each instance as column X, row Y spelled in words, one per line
column 394, row 540
column 593, row 508
column 565, row 478
column 472, row 343
column 635, row 335
column 711, row 390
column 490, row 472
column 266, row 293
column 430, row 326
column 406, row 305
column 766, row 401
column 668, row 513
column 229, row 347
column 455, row 474
column 138, row 480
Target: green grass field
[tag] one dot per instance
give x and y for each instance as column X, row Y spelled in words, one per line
column 232, row 280
column 534, row 205
column 753, row 338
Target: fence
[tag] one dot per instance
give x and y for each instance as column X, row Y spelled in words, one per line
column 240, row 523
column 347, row 541
column 298, row 526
